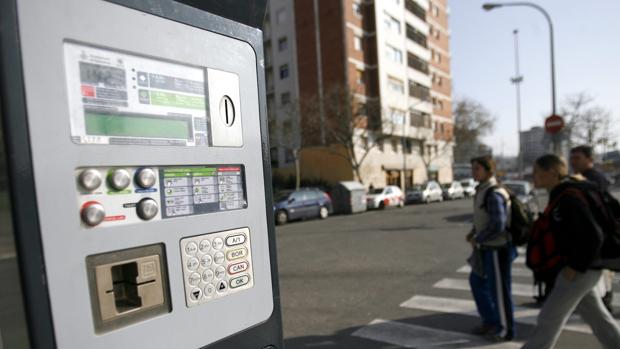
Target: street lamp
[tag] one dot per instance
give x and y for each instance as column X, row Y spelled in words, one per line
column 491, row 6
column 517, row 80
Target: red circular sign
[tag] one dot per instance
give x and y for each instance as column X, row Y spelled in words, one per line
column 554, row 124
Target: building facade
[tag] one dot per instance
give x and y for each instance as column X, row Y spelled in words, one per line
column 390, row 60
column 533, row 145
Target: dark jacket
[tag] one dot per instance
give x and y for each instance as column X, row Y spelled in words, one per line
column 578, row 236
column 596, row 177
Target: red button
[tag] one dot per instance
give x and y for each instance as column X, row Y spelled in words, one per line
column 87, row 91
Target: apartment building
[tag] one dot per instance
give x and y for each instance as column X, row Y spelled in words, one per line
column 380, row 53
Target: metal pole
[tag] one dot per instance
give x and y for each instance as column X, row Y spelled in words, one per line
column 319, row 68
column 518, row 78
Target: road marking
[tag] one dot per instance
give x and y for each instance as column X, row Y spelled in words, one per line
column 523, row 315
column 7, row 255
column 516, row 271
column 414, row 336
column 463, row 285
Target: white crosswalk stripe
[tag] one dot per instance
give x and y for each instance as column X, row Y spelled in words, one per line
column 408, row 335
column 516, row 271
column 420, row 337
column 523, row 290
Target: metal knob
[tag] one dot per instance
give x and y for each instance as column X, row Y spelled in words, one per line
column 92, row 213
column 145, row 178
column 90, row 179
column 119, row 179
column 147, row 209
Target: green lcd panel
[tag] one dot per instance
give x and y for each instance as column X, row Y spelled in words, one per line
column 125, row 125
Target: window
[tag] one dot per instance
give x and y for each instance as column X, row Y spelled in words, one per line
column 285, row 98
column 283, row 71
column 420, row 119
column 398, row 116
column 281, row 16
column 380, row 145
column 419, row 91
column 394, row 54
column 360, row 76
column 392, row 24
column 437, row 34
column 396, row 86
column 435, row 10
column 282, row 43
column 394, row 145
column 440, row 106
column 439, row 80
column 357, row 9
column 357, row 42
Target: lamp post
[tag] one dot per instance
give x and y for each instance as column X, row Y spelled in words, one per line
column 517, row 80
column 491, row 6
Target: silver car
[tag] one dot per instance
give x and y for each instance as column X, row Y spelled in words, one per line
column 453, row 191
column 425, row 193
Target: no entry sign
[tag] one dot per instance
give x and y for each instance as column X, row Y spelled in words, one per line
column 554, row 124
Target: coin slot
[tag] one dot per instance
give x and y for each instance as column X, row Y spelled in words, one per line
column 227, row 111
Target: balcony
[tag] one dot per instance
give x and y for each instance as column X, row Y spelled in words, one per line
column 415, row 9
column 417, row 36
column 419, row 91
column 417, row 63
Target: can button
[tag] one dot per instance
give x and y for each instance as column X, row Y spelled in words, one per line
column 92, row 213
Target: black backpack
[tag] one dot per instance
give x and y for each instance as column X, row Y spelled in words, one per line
column 605, row 210
column 521, row 220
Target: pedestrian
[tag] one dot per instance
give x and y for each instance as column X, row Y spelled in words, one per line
column 582, row 162
column 493, row 253
column 566, row 241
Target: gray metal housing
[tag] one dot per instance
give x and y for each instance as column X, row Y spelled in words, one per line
column 51, row 245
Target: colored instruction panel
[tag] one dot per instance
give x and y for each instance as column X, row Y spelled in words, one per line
column 121, row 98
column 192, row 190
column 216, row 265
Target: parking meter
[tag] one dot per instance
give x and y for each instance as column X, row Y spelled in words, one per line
column 137, row 154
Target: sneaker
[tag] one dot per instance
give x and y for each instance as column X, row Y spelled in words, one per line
column 496, row 337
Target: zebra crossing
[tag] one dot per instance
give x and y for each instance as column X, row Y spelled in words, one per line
column 408, row 335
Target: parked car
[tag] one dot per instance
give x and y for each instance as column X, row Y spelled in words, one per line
column 525, row 193
column 384, row 197
column 427, row 192
column 301, row 204
column 453, row 191
column 469, row 187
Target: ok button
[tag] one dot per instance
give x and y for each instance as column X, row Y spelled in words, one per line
column 235, row 240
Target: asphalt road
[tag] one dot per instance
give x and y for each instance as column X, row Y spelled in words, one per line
column 390, row 279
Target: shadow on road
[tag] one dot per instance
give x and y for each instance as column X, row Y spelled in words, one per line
column 461, row 218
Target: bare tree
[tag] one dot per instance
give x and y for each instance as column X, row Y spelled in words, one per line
column 587, row 123
column 353, row 125
column 472, row 120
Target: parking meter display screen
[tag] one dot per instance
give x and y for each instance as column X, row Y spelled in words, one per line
column 195, row 190
column 118, row 98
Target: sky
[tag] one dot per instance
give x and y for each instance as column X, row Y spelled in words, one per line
column 587, row 54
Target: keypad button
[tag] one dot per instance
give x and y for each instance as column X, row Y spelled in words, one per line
column 218, row 243
column 207, row 275
column 240, row 281
column 192, row 264
column 222, row 286
column 194, row 279
column 237, row 254
column 195, row 294
column 235, row 240
column 206, row 261
column 220, row 272
column 209, row 290
column 191, row 248
column 204, row 246
column 238, row 268
column 218, row 258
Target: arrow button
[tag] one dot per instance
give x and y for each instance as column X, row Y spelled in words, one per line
column 196, row 294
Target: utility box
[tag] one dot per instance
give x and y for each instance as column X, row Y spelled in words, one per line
column 139, row 177
column 349, row 197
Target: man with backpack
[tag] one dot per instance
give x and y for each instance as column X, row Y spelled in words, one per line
column 582, row 162
column 493, row 254
column 567, row 245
